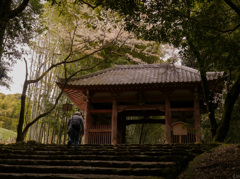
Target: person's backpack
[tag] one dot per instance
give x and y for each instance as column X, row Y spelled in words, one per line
column 75, row 123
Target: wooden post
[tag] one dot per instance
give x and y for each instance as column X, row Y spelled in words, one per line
column 168, row 120
column 197, row 118
column 87, row 122
column 114, row 122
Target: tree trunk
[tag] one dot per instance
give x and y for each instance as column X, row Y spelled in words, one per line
column 53, row 136
column 146, row 133
column 230, row 100
column 60, row 132
column 47, row 134
column 20, row 134
column 223, row 128
column 141, row 134
column 205, row 87
column 40, row 135
column 209, row 105
column 2, row 32
column 3, row 26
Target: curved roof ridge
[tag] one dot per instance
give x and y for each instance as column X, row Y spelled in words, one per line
column 142, row 65
column 118, row 67
column 157, row 65
column 187, row 68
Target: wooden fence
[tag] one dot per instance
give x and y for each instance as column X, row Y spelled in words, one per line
column 100, row 134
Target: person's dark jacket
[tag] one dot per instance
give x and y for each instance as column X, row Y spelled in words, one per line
column 81, row 123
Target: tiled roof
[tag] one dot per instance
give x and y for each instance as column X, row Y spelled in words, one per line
column 142, row 74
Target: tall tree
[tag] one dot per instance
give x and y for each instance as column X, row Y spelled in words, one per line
column 65, row 48
column 16, row 22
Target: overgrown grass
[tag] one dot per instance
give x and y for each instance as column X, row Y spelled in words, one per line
column 5, row 133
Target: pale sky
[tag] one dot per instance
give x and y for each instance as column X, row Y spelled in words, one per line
column 18, row 75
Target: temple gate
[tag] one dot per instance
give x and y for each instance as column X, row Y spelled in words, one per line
column 109, row 96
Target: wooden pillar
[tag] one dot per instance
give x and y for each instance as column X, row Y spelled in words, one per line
column 114, row 122
column 197, row 118
column 87, row 122
column 168, row 120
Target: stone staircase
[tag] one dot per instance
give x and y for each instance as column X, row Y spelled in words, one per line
column 32, row 160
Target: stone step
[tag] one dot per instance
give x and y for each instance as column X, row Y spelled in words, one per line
column 143, row 158
column 102, row 149
column 93, row 163
column 65, row 176
column 92, row 147
column 87, row 170
column 86, row 148
column 86, row 152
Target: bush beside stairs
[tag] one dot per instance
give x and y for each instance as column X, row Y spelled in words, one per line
column 33, row 160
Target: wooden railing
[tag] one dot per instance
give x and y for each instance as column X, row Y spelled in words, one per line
column 100, row 134
column 183, row 139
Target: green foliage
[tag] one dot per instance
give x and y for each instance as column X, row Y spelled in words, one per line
column 9, row 111
column 145, row 133
column 18, row 25
column 211, row 26
column 234, row 135
column 5, row 134
column 105, row 29
column 23, row 25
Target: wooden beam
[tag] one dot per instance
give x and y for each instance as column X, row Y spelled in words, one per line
column 182, row 109
column 159, row 107
column 99, row 130
column 146, row 121
column 100, row 111
column 148, row 98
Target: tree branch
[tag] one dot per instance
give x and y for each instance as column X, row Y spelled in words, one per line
column 233, row 6
column 211, row 27
column 88, row 4
column 223, row 31
column 19, row 9
column 73, row 61
column 63, row 62
column 63, row 87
